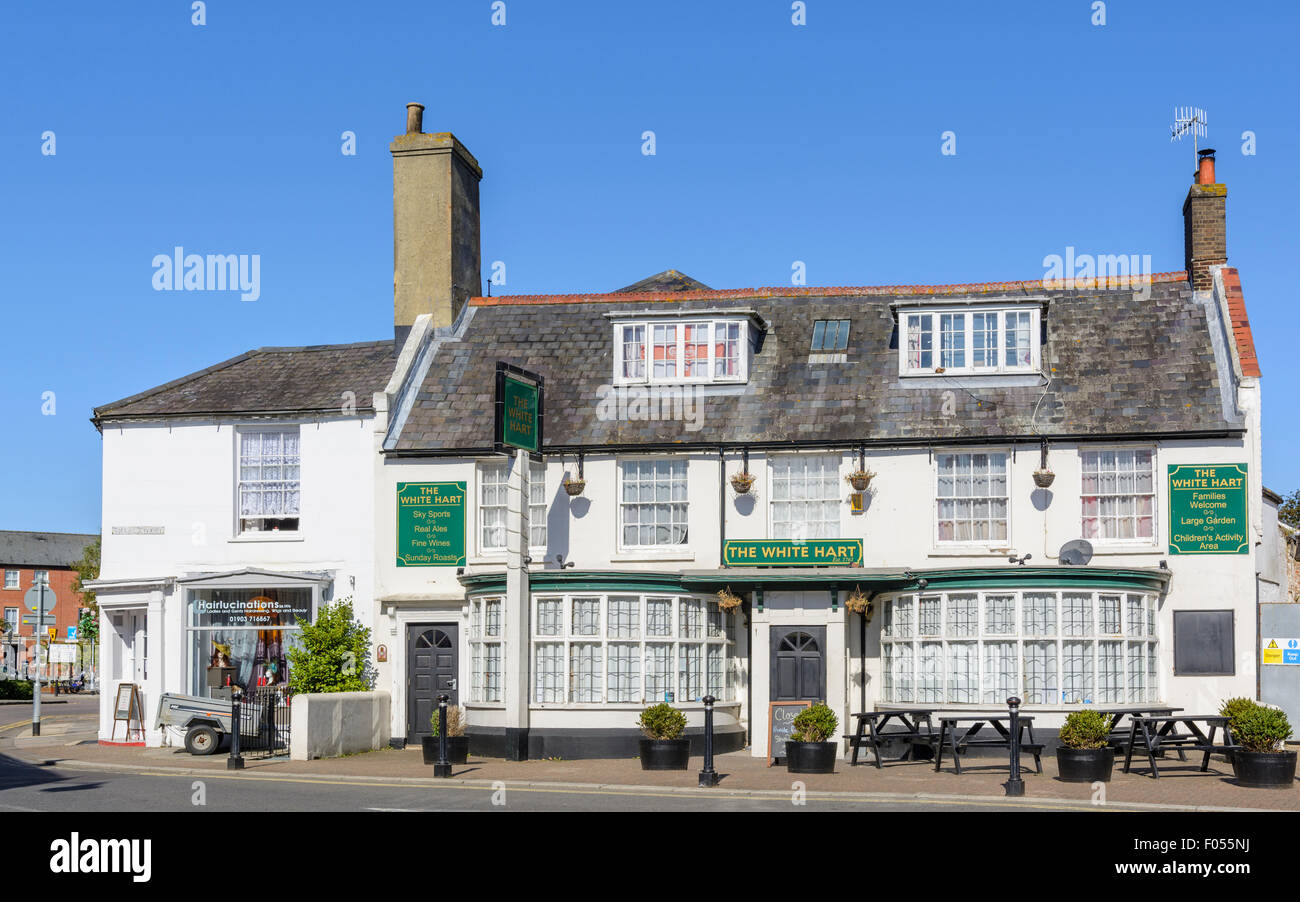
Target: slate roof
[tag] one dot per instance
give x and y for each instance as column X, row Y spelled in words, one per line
column 668, row 280
column 42, row 549
column 268, row 380
column 1118, row 364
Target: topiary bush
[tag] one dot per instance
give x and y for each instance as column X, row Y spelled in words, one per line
column 815, row 724
column 1085, row 729
column 1233, row 708
column 20, row 690
column 1262, row 729
column 662, row 721
column 456, row 720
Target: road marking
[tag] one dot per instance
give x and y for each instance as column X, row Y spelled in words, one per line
column 733, row 795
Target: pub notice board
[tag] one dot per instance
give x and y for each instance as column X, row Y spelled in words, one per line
column 780, row 724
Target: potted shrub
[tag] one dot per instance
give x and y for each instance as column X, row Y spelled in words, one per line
column 1232, row 709
column 457, row 741
column 1262, row 761
column 1085, row 755
column 809, row 749
column 663, row 748
column 860, row 479
column 728, row 600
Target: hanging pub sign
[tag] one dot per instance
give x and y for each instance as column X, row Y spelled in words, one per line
column 431, row 524
column 789, row 553
column 1207, row 509
column 518, row 409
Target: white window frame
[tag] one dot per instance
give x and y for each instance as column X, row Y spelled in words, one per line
column 676, row 640
column 771, row 493
column 979, row 544
column 17, row 579
column 479, row 643
column 620, row 504
column 968, row 368
column 239, row 518
column 679, row 378
column 1102, row 542
column 533, row 509
column 1148, row 638
column 40, row 576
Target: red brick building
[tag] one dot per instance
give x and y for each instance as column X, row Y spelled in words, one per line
column 25, row 559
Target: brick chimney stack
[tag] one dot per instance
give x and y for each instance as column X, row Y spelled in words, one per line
column 436, row 262
column 1205, row 241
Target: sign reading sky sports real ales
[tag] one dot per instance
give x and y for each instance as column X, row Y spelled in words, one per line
column 1207, row 509
column 519, row 418
column 788, row 553
column 431, row 524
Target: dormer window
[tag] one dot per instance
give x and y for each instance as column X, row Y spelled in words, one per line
column 687, row 350
column 968, row 340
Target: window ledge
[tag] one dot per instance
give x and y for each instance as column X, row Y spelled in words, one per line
column 1125, row 549
column 631, row 556
column 969, row 551
column 268, row 537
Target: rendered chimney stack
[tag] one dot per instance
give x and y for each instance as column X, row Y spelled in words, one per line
column 436, row 256
column 1205, row 242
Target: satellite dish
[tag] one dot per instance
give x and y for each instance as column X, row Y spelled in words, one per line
column 1076, row 552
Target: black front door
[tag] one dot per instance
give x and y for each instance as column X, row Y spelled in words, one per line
column 432, row 661
column 798, row 663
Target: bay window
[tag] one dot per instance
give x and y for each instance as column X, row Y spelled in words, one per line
column 1048, row 647
column 486, row 648
column 631, row 649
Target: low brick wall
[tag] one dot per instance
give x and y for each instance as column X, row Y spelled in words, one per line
column 327, row 725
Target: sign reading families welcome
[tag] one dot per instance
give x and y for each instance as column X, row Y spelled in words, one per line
column 518, row 409
column 1207, row 509
column 789, row 553
column 430, row 524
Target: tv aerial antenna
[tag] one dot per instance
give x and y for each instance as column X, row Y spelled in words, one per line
column 1189, row 120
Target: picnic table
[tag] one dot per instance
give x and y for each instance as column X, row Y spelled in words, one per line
column 915, row 723
column 1158, row 732
column 948, row 727
column 1118, row 714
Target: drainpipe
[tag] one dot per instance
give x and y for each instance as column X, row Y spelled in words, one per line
column 722, row 506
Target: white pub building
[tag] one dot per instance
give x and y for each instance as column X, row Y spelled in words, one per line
column 934, row 495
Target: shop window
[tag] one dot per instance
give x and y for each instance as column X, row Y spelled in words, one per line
column 241, row 637
column 1046, row 647
column 651, row 649
column 805, row 496
column 270, row 494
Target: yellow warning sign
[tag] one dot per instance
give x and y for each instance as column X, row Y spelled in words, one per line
column 1272, row 653
column 1272, row 643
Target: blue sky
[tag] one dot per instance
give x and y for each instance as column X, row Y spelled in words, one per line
column 774, row 143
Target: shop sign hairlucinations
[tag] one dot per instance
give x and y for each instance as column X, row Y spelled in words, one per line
column 1207, row 509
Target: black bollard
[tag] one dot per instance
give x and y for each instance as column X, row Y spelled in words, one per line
column 235, row 761
column 443, row 767
column 1015, row 786
column 708, row 776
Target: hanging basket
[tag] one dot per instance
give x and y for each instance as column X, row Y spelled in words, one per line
column 742, row 483
column 574, row 486
column 728, row 600
column 860, row 479
column 857, row 602
column 1043, row 477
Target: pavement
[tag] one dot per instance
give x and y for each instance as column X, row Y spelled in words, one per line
column 67, row 742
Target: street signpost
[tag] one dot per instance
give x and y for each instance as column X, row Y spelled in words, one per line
column 36, row 600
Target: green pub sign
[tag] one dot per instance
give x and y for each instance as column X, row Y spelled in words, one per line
column 1207, row 509
column 518, row 406
column 431, row 524
column 789, row 553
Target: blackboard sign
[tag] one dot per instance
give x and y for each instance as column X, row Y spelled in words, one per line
column 1203, row 643
column 780, row 724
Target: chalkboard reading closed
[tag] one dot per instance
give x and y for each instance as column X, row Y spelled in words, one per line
column 780, row 725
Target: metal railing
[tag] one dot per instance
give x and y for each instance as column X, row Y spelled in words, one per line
column 264, row 723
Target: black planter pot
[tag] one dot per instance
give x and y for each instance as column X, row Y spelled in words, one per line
column 1085, row 765
column 1264, row 770
column 665, row 754
column 811, row 757
column 457, row 749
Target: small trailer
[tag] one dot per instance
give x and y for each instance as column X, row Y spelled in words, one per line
column 207, row 721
